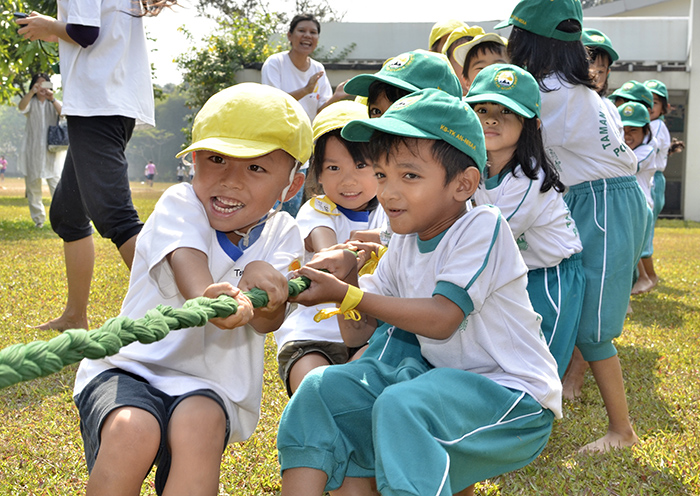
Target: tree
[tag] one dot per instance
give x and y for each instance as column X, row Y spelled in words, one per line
column 19, row 58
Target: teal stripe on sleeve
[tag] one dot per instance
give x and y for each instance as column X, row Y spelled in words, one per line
column 455, row 294
column 521, row 201
column 488, row 253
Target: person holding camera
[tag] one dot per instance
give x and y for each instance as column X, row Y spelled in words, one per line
column 36, row 162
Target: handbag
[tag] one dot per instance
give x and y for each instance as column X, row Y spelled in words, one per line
column 57, row 138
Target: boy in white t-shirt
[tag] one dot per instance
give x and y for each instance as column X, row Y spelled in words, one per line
column 178, row 402
column 481, row 399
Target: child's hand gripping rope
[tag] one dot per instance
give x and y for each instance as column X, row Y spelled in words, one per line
column 24, row 362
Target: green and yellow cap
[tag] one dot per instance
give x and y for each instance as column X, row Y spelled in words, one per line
column 336, row 115
column 508, row 85
column 635, row 91
column 594, row 38
column 656, row 86
column 460, row 53
column 543, row 16
column 442, row 28
column 633, row 114
column 427, row 114
column 249, row 120
column 411, row 71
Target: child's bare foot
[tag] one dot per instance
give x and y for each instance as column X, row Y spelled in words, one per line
column 610, row 441
column 573, row 378
column 643, row 285
column 63, row 323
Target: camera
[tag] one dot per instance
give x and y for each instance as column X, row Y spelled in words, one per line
column 20, row 15
column 47, row 85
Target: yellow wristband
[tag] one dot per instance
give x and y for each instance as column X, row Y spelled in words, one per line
column 347, row 307
column 371, row 265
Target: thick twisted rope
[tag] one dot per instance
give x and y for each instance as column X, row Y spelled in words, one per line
column 24, row 362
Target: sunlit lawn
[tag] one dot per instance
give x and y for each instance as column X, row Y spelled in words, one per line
column 40, row 444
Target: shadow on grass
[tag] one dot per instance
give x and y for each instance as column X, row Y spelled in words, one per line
column 662, row 308
column 561, row 470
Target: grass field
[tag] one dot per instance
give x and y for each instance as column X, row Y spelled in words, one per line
column 41, row 449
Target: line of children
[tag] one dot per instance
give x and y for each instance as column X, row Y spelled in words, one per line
column 603, row 195
column 450, row 277
column 349, row 204
column 524, row 185
column 178, row 402
column 602, row 56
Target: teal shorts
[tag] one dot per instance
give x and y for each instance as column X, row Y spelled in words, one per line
column 417, row 429
column 658, row 193
column 610, row 215
column 648, row 245
column 556, row 294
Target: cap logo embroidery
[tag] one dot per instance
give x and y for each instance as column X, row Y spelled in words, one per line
column 398, row 63
column 506, row 80
column 628, row 110
column 405, row 102
column 627, row 86
column 597, row 38
column 652, row 84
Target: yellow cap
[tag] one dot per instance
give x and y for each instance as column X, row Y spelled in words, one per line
column 336, row 115
column 249, row 120
column 440, row 29
column 462, row 32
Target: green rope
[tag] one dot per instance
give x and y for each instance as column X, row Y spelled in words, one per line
column 24, row 362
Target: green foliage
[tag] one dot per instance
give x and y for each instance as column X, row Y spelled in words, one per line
column 237, row 43
column 19, row 58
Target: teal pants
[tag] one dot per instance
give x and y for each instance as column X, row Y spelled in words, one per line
column 556, row 294
column 419, row 430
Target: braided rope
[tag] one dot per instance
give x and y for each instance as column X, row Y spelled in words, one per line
column 24, row 362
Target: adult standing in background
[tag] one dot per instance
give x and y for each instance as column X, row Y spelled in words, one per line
column 295, row 72
column 107, row 90
column 36, row 162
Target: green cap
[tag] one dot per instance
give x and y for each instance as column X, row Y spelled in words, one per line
column 427, row 114
column 633, row 114
column 411, row 71
column 509, row 85
column 596, row 39
column 635, row 91
column 657, row 87
column 543, row 16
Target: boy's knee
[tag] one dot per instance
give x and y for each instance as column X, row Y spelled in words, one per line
column 131, row 426
column 197, row 417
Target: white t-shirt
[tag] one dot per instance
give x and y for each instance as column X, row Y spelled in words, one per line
column 477, row 265
column 614, row 115
column 541, row 222
column 230, row 362
column 317, row 213
column 580, row 137
column 646, row 160
column 663, row 140
column 112, row 76
column 279, row 71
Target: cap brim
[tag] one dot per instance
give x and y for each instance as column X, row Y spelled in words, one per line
column 232, row 147
column 502, row 24
column 362, row 130
column 502, row 100
column 359, row 85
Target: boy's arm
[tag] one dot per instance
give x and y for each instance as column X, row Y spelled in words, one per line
column 193, row 279
column 262, row 275
column 436, row 317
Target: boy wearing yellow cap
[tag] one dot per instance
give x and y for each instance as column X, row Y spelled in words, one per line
column 178, row 402
column 479, row 397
